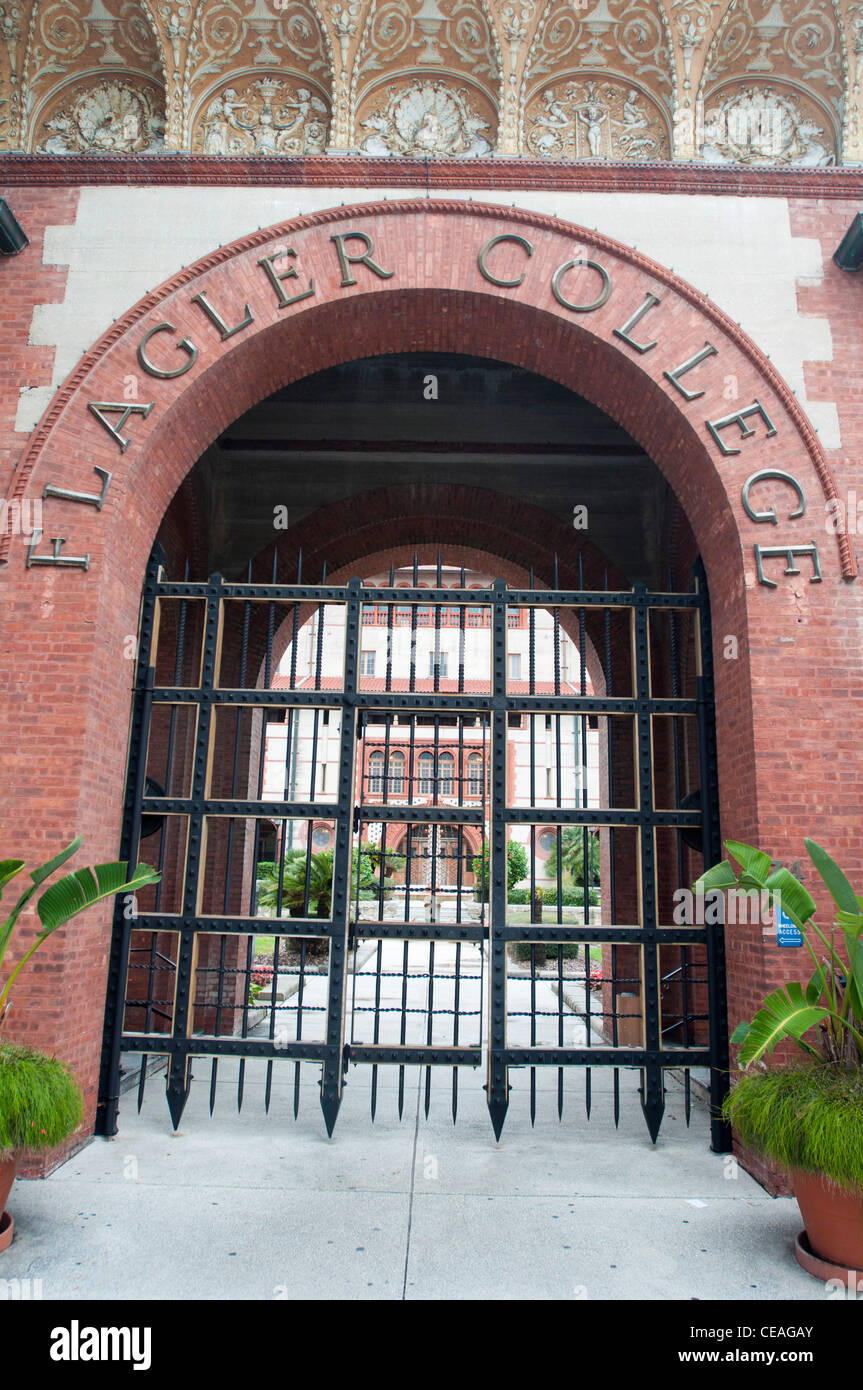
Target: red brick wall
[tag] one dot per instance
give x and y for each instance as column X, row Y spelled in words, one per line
column 25, row 281
column 782, row 711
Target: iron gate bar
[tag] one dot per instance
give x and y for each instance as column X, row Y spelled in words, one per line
column 541, row 815
column 372, row 930
column 418, row 931
column 682, row 972
column 202, row 1045
column 427, row 598
column 658, row 1058
column 348, row 812
column 429, row 1055
column 325, row 810
column 107, row 1110
column 331, row 1076
column 711, row 840
column 608, row 674
column 594, row 935
column 421, row 702
column 653, row 1088
column 178, row 1079
column 497, row 1094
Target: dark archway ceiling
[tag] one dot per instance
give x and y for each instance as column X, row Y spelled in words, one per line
column 415, row 419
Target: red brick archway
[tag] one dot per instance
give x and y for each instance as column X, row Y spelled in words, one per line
column 551, row 298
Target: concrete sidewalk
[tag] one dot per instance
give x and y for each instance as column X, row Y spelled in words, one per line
column 257, row 1206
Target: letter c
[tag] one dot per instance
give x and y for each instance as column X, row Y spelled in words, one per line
column 483, row 259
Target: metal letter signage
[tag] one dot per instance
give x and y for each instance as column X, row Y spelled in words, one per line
column 739, row 418
column 787, row 552
column 276, row 279
column 164, row 372
column 770, row 515
column 124, row 412
column 69, row 561
column 674, row 377
column 365, row 258
column 482, row 259
column 215, row 317
column 356, row 248
column 92, row 499
column 650, row 303
column 581, row 308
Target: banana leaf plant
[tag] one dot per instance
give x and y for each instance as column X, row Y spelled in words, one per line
column 822, row 1016
column 63, row 900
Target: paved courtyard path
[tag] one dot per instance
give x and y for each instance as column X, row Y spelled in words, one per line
column 259, row 1205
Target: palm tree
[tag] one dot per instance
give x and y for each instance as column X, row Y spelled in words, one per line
column 294, row 884
column 572, row 856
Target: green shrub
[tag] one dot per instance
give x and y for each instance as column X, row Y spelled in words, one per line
column 40, row 1103
column 808, row 1117
column 516, row 867
column 520, row 950
column 572, row 897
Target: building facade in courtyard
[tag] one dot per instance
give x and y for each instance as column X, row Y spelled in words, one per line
column 445, row 759
column 520, row 336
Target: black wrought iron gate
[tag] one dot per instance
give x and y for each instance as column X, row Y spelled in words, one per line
column 425, row 823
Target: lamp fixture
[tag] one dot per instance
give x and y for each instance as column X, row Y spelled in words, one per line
column 13, row 238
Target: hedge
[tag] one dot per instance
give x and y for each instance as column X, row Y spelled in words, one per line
column 572, row 897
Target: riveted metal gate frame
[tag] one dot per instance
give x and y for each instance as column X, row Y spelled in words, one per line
column 334, row 1054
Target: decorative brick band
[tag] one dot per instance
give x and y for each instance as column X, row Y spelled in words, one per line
column 358, row 170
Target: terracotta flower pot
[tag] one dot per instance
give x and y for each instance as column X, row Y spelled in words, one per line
column 8, row 1169
column 833, row 1217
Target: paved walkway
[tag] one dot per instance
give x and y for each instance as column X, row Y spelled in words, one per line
column 257, row 1205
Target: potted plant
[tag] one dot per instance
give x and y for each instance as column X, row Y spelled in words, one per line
column 40, row 1101
column 808, row 1115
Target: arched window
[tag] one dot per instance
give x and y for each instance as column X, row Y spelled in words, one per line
column 376, row 774
column 474, row 774
column 397, row 774
column 446, row 768
column 426, row 774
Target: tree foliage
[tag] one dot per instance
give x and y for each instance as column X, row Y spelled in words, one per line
column 572, row 856
column 516, row 866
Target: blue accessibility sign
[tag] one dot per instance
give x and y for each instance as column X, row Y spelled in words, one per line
column 787, row 934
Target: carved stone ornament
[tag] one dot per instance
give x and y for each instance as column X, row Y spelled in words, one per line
column 760, row 125
column 608, row 35
column 266, row 117
column 110, row 118
column 426, row 118
column 594, row 120
column 797, row 39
